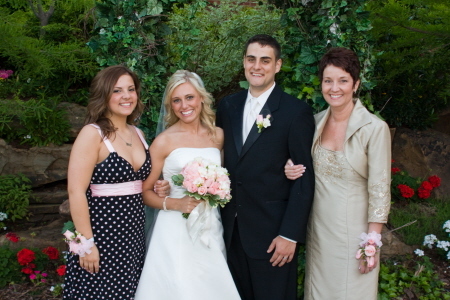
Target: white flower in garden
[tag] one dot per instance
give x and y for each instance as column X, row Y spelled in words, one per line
column 419, row 252
column 52, row 288
column 429, row 240
column 102, row 31
column 443, row 245
column 446, row 226
column 3, row 216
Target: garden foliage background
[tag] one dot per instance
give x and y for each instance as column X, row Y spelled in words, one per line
column 51, row 49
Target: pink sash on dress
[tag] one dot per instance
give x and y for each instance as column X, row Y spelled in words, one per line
column 116, row 189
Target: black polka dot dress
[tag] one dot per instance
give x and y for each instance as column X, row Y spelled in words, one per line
column 118, row 226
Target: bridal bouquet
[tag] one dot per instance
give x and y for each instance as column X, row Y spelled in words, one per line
column 369, row 247
column 204, row 180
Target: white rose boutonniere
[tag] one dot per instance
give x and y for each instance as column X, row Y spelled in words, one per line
column 262, row 123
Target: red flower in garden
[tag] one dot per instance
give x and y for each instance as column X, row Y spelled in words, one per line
column 435, row 181
column 426, row 185
column 395, row 170
column 25, row 256
column 12, row 237
column 61, row 270
column 27, row 270
column 51, row 252
column 423, row 193
column 405, row 190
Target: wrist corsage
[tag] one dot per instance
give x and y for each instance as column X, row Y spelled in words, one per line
column 369, row 247
column 262, row 123
column 78, row 244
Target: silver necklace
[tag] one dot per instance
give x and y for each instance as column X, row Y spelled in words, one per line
column 131, row 137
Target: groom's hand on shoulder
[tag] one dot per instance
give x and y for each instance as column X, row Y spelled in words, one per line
column 284, row 251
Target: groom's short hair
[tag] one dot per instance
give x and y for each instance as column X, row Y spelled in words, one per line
column 265, row 40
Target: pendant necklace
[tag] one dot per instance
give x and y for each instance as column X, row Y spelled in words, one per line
column 126, row 143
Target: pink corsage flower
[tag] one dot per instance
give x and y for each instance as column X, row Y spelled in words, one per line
column 369, row 247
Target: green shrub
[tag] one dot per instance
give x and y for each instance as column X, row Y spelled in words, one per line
column 396, row 277
column 412, row 71
column 312, row 27
column 132, row 33
column 15, row 192
column 59, row 62
column 9, row 267
column 430, row 216
column 209, row 39
column 36, row 122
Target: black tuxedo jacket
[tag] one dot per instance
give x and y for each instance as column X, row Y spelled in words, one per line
column 266, row 203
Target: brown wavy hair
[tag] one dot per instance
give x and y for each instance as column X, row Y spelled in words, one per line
column 207, row 115
column 101, row 89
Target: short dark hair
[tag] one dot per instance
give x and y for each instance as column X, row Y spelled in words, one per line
column 342, row 58
column 265, row 40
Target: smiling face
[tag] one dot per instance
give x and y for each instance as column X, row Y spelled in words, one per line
column 186, row 102
column 338, row 87
column 124, row 97
column 260, row 66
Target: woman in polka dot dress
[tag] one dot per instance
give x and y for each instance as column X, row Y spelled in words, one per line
column 108, row 162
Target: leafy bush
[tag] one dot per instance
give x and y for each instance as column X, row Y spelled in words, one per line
column 312, row 27
column 15, row 192
column 56, row 63
column 131, row 33
column 430, row 216
column 33, row 122
column 9, row 267
column 209, row 39
column 396, row 277
column 412, row 71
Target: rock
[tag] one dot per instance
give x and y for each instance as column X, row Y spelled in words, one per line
column 41, row 165
column 443, row 122
column 424, row 153
column 64, row 210
column 75, row 115
column 392, row 246
column 55, row 194
column 39, row 237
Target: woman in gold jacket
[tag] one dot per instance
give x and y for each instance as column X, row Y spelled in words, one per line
column 352, row 163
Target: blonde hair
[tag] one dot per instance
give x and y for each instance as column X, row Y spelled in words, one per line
column 207, row 115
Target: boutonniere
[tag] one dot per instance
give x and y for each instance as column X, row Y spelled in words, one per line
column 262, row 123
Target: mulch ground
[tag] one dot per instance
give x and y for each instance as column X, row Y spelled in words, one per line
column 27, row 291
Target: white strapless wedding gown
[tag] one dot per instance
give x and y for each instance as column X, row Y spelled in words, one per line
column 184, row 264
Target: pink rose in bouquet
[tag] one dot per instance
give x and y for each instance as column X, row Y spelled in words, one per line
column 204, row 180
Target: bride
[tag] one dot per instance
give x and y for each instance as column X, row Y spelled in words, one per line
column 178, row 266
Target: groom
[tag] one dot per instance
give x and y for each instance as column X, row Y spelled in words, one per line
column 268, row 214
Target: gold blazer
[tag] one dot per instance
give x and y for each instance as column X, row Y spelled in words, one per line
column 367, row 148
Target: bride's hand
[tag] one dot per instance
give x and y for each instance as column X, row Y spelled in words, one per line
column 187, row 204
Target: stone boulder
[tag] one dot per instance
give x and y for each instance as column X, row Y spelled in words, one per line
column 75, row 115
column 41, row 165
column 424, row 153
column 443, row 122
column 392, row 246
column 39, row 237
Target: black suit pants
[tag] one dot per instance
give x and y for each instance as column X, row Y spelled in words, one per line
column 257, row 279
